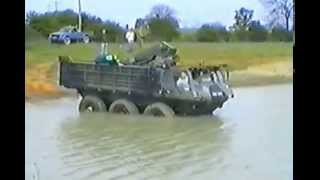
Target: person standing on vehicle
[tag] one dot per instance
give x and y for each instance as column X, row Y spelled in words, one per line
column 104, row 43
column 141, row 33
column 101, row 58
column 130, row 36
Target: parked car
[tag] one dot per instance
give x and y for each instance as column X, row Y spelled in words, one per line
column 69, row 34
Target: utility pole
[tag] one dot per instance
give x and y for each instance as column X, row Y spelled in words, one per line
column 80, row 20
column 49, row 7
column 56, row 5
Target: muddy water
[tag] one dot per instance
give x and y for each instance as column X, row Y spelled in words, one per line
column 249, row 139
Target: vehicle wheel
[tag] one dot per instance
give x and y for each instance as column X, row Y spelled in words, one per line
column 159, row 109
column 86, row 39
column 67, row 41
column 92, row 104
column 123, row 106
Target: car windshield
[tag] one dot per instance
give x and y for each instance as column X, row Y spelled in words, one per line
column 66, row 29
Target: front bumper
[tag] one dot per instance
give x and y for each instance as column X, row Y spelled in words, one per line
column 56, row 40
column 201, row 107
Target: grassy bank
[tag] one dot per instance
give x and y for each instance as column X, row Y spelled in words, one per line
column 41, row 58
column 237, row 55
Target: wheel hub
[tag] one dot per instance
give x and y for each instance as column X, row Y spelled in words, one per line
column 157, row 113
column 89, row 109
column 121, row 109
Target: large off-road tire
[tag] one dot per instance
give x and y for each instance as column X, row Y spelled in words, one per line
column 159, row 109
column 67, row 41
column 92, row 104
column 123, row 106
column 86, row 39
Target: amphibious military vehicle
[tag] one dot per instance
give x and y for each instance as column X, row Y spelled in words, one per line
column 151, row 84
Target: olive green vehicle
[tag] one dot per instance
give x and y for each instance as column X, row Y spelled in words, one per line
column 152, row 84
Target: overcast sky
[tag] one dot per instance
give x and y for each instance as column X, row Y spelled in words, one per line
column 189, row 12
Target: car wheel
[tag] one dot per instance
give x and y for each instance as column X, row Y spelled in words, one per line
column 86, row 39
column 50, row 40
column 67, row 41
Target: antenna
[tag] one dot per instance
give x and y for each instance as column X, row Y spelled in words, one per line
column 80, row 21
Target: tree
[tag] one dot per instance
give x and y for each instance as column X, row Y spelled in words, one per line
column 280, row 11
column 162, row 23
column 257, row 32
column 214, row 32
column 30, row 15
column 161, row 11
column 162, row 29
column 243, row 18
column 240, row 28
column 164, row 12
column 279, row 33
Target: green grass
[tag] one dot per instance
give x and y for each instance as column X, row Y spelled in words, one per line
column 237, row 55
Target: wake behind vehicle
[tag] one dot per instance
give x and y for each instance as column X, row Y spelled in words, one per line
column 67, row 35
column 151, row 85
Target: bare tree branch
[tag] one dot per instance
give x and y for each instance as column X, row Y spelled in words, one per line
column 279, row 10
column 162, row 11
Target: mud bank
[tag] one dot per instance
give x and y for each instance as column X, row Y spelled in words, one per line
column 265, row 74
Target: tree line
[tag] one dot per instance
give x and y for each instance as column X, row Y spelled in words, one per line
column 162, row 24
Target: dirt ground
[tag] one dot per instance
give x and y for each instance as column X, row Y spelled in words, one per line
column 284, row 68
column 39, row 82
column 264, row 74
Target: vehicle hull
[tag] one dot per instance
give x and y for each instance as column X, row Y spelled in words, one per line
column 179, row 105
